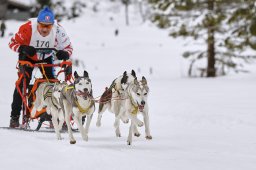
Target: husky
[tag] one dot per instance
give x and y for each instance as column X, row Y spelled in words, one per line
column 48, row 95
column 76, row 101
column 114, row 98
column 137, row 102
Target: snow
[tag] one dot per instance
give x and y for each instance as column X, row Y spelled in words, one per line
column 196, row 124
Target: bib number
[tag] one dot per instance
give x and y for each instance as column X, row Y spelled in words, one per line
column 42, row 44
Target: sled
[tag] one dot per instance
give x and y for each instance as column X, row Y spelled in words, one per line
column 27, row 92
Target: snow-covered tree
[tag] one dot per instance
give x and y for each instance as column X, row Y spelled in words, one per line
column 226, row 27
column 77, row 9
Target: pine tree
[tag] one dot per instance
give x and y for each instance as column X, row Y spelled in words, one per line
column 44, row 3
column 126, row 4
column 226, row 26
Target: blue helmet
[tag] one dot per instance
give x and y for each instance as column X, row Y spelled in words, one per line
column 46, row 16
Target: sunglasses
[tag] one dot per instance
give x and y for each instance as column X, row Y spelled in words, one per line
column 48, row 26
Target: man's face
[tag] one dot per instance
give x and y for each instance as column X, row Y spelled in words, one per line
column 44, row 29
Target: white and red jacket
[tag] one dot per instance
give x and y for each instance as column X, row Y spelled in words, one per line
column 29, row 35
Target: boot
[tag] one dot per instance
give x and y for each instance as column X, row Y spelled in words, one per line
column 14, row 122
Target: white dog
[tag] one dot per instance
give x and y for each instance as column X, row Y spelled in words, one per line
column 76, row 101
column 137, row 102
column 114, row 98
column 48, row 95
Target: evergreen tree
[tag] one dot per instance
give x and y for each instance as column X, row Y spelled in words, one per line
column 43, row 3
column 77, row 9
column 225, row 26
column 126, row 4
column 60, row 10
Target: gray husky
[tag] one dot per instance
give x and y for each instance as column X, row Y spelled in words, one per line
column 48, row 95
column 137, row 102
column 114, row 98
column 76, row 101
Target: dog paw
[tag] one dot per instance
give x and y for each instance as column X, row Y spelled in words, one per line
column 118, row 135
column 137, row 134
column 149, row 137
column 72, row 142
column 85, row 138
column 140, row 123
column 126, row 121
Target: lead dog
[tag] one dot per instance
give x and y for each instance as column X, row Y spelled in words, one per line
column 137, row 102
column 114, row 98
column 76, row 101
column 48, row 95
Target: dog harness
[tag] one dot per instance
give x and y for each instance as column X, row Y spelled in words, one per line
column 68, row 88
column 49, row 94
column 135, row 108
column 84, row 110
column 80, row 108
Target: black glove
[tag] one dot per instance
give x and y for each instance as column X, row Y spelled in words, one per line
column 62, row 55
column 23, row 57
column 27, row 50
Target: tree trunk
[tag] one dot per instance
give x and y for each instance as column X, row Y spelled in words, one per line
column 211, row 72
column 141, row 11
column 126, row 14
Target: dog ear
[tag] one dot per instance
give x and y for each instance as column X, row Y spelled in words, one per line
column 124, row 78
column 86, row 74
column 133, row 73
column 144, row 80
column 125, row 73
column 76, row 75
column 91, row 93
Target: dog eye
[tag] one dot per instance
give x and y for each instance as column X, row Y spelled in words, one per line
column 138, row 94
column 145, row 94
column 80, row 83
column 87, row 83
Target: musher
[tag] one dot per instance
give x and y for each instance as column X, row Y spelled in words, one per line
column 40, row 32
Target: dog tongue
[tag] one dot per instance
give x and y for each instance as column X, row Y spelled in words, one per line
column 141, row 107
column 81, row 93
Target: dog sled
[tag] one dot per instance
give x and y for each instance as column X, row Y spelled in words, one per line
column 27, row 92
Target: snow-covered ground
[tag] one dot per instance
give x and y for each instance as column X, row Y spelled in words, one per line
column 196, row 124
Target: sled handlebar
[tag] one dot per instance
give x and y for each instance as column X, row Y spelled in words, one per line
column 28, row 63
column 46, row 49
column 67, row 63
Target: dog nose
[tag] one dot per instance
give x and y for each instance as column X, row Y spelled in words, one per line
column 143, row 102
column 85, row 89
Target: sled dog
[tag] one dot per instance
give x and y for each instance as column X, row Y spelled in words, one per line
column 76, row 101
column 48, row 95
column 114, row 98
column 137, row 103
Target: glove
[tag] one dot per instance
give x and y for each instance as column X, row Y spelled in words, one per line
column 62, row 55
column 27, row 50
column 68, row 72
column 23, row 57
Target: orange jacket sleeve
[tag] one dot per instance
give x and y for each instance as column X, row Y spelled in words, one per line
column 22, row 37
